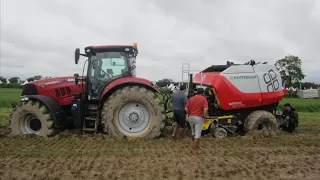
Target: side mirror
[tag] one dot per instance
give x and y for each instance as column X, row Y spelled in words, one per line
column 76, row 78
column 76, row 55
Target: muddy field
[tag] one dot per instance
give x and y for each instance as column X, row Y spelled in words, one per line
column 82, row 157
column 66, row 156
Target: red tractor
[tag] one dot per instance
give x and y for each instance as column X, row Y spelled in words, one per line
column 109, row 98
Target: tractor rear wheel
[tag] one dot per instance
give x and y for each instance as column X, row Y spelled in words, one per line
column 31, row 117
column 260, row 121
column 133, row 112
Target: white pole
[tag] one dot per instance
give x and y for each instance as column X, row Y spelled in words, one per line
column 182, row 73
column 188, row 76
column 300, row 85
column 201, row 78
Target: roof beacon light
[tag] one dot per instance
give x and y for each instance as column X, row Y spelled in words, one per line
column 135, row 45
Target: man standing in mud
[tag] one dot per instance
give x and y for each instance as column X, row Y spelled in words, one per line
column 197, row 109
column 179, row 100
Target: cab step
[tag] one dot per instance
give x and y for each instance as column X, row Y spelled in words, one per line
column 88, row 129
column 91, row 119
column 90, row 125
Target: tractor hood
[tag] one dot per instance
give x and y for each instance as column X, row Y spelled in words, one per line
column 57, row 88
column 52, row 81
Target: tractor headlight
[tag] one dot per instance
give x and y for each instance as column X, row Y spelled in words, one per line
column 23, row 98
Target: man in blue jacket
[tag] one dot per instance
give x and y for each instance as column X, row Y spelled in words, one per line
column 179, row 100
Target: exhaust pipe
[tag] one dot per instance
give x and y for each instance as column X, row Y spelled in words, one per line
column 190, row 89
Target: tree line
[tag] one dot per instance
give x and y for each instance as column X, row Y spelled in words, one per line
column 290, row 68
column 17, row 80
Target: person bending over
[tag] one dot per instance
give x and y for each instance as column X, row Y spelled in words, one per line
column 291, row 116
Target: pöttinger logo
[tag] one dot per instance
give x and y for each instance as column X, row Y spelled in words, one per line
column 270, row 78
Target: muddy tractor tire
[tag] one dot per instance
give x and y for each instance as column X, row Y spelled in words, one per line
column 260, row 121
column 133, row 112
column 31, row 117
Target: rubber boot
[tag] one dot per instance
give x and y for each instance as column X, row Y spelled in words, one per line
column 181, row 133
column 175, row 128
column 196, row 143
column 192, row 141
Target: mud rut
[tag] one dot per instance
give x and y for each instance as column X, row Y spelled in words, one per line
column 84, row 157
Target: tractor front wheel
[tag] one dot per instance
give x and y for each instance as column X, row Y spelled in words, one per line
column 31, row 117
column 133, row 112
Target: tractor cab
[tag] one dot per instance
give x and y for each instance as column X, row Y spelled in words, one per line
column 114, row 99
column 106, row 64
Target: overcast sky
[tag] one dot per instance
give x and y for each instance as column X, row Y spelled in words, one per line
column 39, row 36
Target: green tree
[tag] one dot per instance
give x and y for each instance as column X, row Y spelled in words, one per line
column 290, row 68
column 3, row 80
column 37, row 77
column 164, row 82
column 14, row 80
column 30, row 79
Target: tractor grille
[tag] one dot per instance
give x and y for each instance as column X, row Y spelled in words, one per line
column 61, row 92
column 29, row 89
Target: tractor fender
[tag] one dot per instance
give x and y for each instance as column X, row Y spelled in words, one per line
column 125, row 81
column 54, row 107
